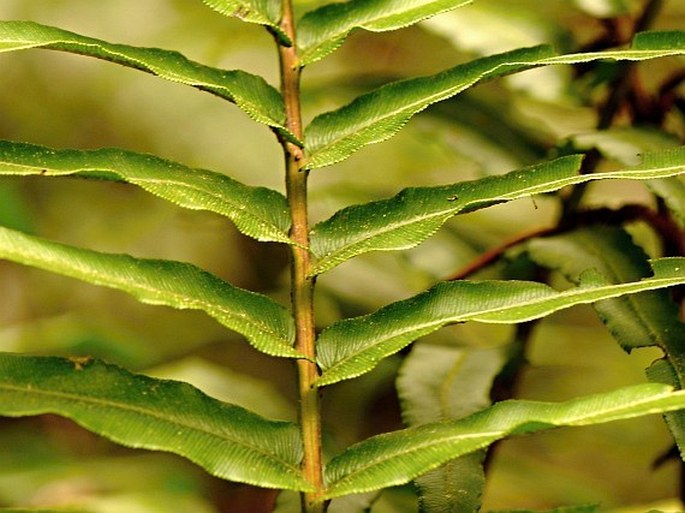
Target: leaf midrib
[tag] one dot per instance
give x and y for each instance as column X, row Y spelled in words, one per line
column 487, row 435
column 364, row 25
column 126, row 407
column 106, row 48
column 199, row 304
column 572, row 421
column 387, row 228
column 414, row 107
column 640, row 285
column 211, row 193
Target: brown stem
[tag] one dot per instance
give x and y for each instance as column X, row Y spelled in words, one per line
column 494, row 254
column 302, row 286
column 620, row 88
column 669, row 232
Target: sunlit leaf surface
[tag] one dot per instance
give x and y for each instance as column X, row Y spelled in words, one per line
column 323, row 30
column 380, row 114
column 354, row 346
column 262, row 12
column 257, row 211
column 413, row 215
column 646, row 319
column 267, row 325
column 396, row 458
column 441, row 383
column 250, row 92
column 142, row 412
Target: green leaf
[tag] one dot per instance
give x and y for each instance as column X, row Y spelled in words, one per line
column 380, row 114
column 262, row 12
column 639, row 320
column 645, row 45
column 625, row 145
column 354, row 346
column 251, row 93
column 396, row 458
column 414, row 214
column 257, row 211
column 645, row 319
column 440, row 383
column 142, row 412
column 323, row 30
column 672, row 191
column 267, row 325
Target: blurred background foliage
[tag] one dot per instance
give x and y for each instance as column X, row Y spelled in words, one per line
column 63, row 100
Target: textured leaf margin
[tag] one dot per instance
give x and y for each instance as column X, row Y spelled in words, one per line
column 442, row 383
column 354, row 346
column 323, row 30
column 410, row 217
column 262, row 12
column 249, row 92
column 267, row 325
column 380, row 114
column 143, row 412
column 645, row 319
column 396, row 458
column 256, row 211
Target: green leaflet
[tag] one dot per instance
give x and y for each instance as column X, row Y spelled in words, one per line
column 380, row 114
column 323, row 30
column 441, row 383
column 267, row 325
column 142, row 412
column 256, row 211
column 354, row 346
column 622, row 144
column 251, row 93
column 262, row 12
column 396, row 458
column 640, row 320
column 414, row 214
column 672, row 191
column 646, row 319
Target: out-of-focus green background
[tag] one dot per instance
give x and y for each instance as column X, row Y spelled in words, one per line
column 63, row 100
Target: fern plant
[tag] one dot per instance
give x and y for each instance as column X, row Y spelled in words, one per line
column 445, row 390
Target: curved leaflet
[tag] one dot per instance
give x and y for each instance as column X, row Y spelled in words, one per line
column 258, row 212
column 414, row 214
column 142, row 412
column 266, row 324
column 380, row 114
column 396, row 458
column 352, row 347
column 250, row 92
column 262, row 12
column 648, row 319
column 442, row 383
column 322, row 31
